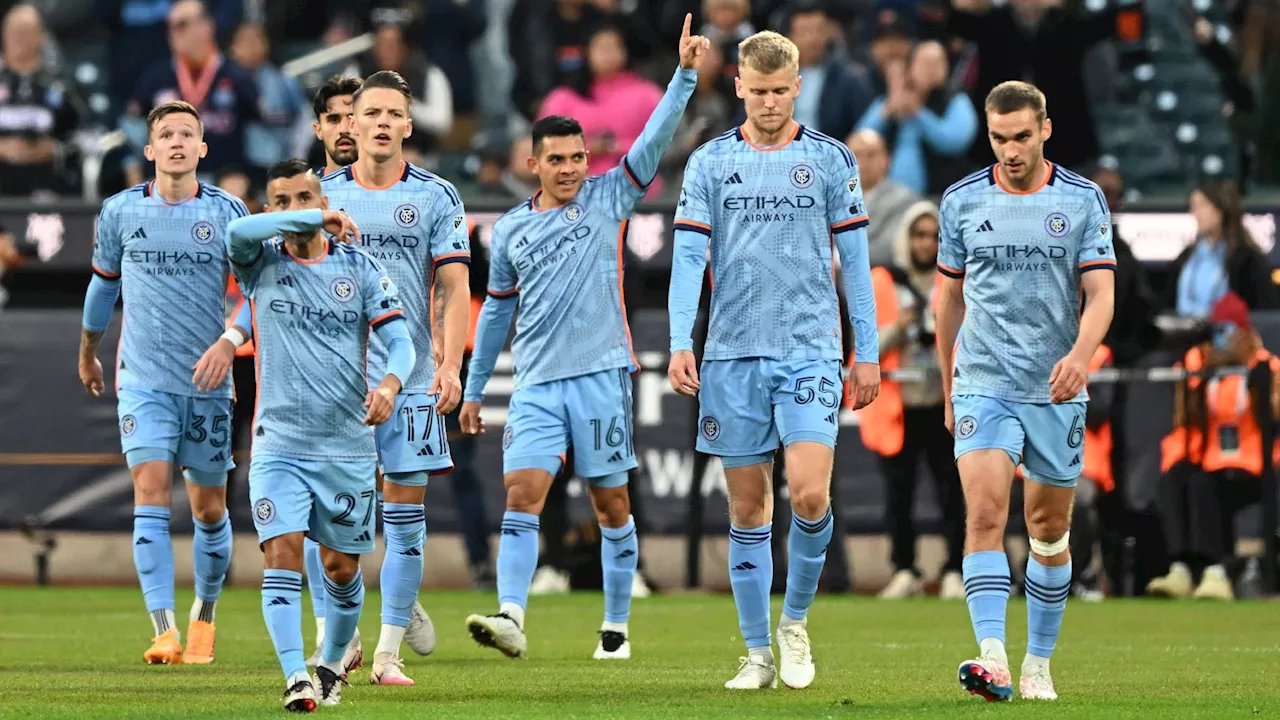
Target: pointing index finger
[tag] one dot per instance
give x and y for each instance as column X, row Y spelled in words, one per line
column 688, row 22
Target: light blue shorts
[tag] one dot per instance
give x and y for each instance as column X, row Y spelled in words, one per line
column 413, row 439
column 190, row 432
column 593, row 412
column 333, row 502
column 1047, row 439
column 750, row 405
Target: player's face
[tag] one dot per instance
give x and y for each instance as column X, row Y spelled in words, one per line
column 561, row 166
column 770, row 98
column 382, row 123
column 1017, row 139
column 176, row 144
column 300, row 192
column 336, row 129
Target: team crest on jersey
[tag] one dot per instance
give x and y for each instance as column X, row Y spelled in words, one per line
column 710, row 428
column 128, row 424
column 1057, row 224
column 507, row 436
column 264, row 512
column 573, row 213
column 203, row 232
column 853, row 184
column 966, row 427
column 343, row 289
column 802, row 176
column 406, row 216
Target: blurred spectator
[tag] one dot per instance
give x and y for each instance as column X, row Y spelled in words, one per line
column 301, row 26
column 12, row 256
column 450, row 28
column 834, row 93
column 905, row 424
column 1041, row 42
column 432, row 109
column 221, row 90
column 891, row 44
column 886, row 200
column 926, row 126
column 37, row 116
column 707, row 115
column 236, row 182
column 1133, row 331
column 280, row 101
column 612, row 103
column 1214, row 45
column 725, row 24
column 1223, row 257
column 1260, row 65
column 548, row 46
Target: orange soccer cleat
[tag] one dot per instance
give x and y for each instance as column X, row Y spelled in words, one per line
column 166, row 649
column 199, row 643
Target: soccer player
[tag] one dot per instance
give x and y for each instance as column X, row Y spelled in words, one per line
column 414, row 224
column 1019, row 243
column 315, row 304
column 772, row 199
column 561, row 253
column 158, row 244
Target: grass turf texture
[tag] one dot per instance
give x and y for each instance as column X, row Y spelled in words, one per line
column 77, row 653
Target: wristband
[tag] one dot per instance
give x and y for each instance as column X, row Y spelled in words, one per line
column 234, row 336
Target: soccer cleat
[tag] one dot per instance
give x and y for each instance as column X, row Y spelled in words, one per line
column 354, row 656
column 166, row 649
column 613, row 646
column 753, row 674
column 1177, row 584
column 499, row 632
column 1035, row 684
column 199, row 643
column 796, row 666
column 903, row 584
column 300, row 695
column 640, row 587
column 330, row 684
column 316, row 658
column 549, row 581
column 986, row 677
column 1214, row 585
column 421, row 633
column 952, row 586
column 388, row 670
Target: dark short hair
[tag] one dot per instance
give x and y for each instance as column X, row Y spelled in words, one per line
column 175, row 107
column 554, row 126
column 386, row 79
column 336, row 86
column 285, row 169
column 1014, row 95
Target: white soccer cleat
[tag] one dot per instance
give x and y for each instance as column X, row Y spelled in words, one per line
column 639, row 587
column 550, row 581
column 795, row 668
column 300, row 694
column 754, row 673
column 499, row 632
column 987, row 678
column 1036, row 684
column 329, row 686
column 1177, row 584
column 354, row 656
column 1215, row 585
column 613, row 646
column 952, row 586
column 421, row 633
column 903, row 584
column 388, row 669
column 316, row 658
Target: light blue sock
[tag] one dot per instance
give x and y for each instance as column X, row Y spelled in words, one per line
column 342, row 615
column 405, row 529
column 986, row 589
column 212, row 553
column 282, row 609
column 153, row 557
column 315, row 575
column 1047, row 589
column 619, row 555
column 751, row 575
column 517, row 557
column 806, row 554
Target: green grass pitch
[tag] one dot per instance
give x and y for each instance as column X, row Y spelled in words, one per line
column 77, row 653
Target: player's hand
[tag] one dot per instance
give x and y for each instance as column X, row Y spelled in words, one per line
column 380, row 402
column 447, row 388
column 693, row 48
column 470, row 420
column 682, row 371
column 91, row 376
column 212, row 367
column 866, row 384
column 340, row 225
column 1067, row 379
column 949, row 415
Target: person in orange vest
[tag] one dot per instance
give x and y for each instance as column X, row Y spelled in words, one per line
column 906, row 423
column 1213, row 458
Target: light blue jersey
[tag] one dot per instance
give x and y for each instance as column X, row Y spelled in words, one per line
column 411, row 228
column 1021, row 256
column 565, row 265
column 312, row 320
column 772, row 218
column 173, row 272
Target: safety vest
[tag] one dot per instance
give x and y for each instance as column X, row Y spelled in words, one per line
column 1097, row 442
column 880, row 423
column 236, row 300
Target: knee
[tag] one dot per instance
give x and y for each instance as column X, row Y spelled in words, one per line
column 525, row 493
column 613, row 507
column 810, row 500
column 984, row 516
column 341, row 568
column 283, row 553
column 151, row 486
column 750, row 512
column 1046, row 526
column 209, row 510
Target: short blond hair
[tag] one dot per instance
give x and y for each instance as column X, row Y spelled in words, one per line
column 1014, row 95
column 768, row 52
